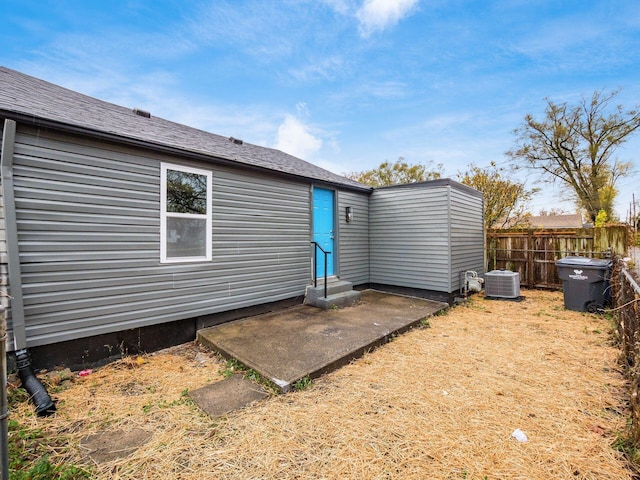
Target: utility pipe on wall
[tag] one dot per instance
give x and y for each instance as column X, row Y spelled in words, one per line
column 37, row 393
column 4, row 405
column 11, row 233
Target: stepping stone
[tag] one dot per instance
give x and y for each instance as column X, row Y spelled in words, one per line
column 227, row 395
column 105, row 447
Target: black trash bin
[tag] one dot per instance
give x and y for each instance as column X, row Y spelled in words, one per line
column 585, row 283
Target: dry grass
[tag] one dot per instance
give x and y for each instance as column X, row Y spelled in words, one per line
column 438, row 403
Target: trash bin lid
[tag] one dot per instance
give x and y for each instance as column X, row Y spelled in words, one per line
column 584, row 262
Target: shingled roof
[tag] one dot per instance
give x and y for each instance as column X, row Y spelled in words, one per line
column 33, row 101
column 556, row 221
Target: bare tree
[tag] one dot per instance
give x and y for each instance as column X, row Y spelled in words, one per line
column 575, row 145
column 552, row 211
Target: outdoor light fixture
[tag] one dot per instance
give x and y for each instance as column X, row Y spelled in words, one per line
column 349, row 211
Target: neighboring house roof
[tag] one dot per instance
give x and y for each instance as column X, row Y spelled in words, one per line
column 543, row 221
column 556, row 221
column 33, row 101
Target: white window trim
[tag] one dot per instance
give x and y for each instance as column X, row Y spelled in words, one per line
column 164, row 214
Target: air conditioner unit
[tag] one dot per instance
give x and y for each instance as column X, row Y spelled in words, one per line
column 502, row 284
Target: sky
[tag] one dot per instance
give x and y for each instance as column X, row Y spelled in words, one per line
column 344, row 84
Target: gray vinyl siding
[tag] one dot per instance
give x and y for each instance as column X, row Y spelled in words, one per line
column 354, row 237
column 467, row 235
column 88, row 222
column 409, row 243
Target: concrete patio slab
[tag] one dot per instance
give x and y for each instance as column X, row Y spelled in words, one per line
column 302, row 341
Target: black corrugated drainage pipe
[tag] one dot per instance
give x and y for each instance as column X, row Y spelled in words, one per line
column 37, row 393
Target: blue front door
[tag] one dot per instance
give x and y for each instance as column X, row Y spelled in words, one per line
column 323, row 233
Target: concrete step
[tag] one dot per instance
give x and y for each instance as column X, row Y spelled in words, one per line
column 336, row 300
column 333, row 287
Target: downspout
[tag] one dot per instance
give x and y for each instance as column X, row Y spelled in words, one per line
column 4, row 404
column 37, row 393
column 449, row 259
column 485, row 259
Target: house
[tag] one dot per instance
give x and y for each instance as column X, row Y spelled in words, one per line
column 543, row 222
column 125, row 231
column 556, row 221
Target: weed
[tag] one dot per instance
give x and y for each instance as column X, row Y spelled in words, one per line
column 184, row 399
column 56, row 388
column 17, row 395
column 44, row 470
column 28, row 459
column 476, row 306
column 625, row 444
column 231, row 367
column 424, row 323
column 303, row 383
column 252, row 375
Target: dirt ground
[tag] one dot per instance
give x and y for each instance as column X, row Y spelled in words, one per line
column 439, row 402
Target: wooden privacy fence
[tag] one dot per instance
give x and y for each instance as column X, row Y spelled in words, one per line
column 533, row 252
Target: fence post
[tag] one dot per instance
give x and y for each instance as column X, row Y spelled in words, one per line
column 531, row 272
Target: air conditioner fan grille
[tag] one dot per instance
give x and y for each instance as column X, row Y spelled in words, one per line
column 502, row 284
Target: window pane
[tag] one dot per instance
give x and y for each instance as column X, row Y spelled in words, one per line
column 186, row 192
column 186, row 237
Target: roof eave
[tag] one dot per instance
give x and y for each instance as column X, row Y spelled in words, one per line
column 40, row 122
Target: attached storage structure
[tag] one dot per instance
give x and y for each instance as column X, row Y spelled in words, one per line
column 423, row 235
column 121, row 229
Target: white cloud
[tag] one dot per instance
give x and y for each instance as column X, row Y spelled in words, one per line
column 377, row 15
column 295, row 138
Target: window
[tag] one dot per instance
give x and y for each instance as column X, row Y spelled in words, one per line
column 185, row 214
